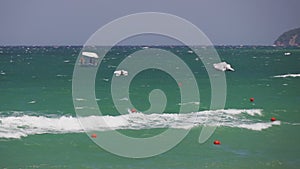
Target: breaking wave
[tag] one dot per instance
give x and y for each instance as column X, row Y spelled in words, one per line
column 288, row 75
column 22, row 125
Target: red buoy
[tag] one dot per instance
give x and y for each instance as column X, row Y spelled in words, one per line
column 179, row 84
column 217, row 142
column 251, row 99
column 273, row 119
column 133, row 110
column 94, row 135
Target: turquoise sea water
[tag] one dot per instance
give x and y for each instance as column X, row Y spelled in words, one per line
column 39, row 129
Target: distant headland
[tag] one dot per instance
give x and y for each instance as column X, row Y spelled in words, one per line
column 289, row 38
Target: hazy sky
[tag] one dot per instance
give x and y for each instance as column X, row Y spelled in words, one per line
column 62, row 22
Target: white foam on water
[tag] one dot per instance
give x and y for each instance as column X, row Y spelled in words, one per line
column 259, row 126
column 21, row 126
column 17, row 125
column 80, row 99
column 124, row 99
column 287, row 75
column 59, row 75
column 196, row 103
column 32, row 102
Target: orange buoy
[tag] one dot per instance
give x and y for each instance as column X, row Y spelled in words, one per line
column 133, row 110
column 217, row 142
column 251, row 99
column 94, row 135
column 273, row 119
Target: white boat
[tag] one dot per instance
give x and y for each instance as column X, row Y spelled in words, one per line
column 90, row 54
column 223, row 66
column 121, row 73
column 88, row 59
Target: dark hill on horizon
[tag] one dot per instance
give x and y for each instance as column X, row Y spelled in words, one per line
column 289, row 38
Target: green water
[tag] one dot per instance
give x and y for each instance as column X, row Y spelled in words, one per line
column 37, row 81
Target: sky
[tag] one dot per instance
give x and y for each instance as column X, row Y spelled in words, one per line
column 72, row 22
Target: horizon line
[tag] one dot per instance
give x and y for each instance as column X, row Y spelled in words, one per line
column 145, row 45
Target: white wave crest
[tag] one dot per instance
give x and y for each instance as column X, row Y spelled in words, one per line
column 287, row 75
column 24, row 125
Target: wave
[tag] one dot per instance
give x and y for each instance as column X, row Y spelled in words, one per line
column 182, row 104
column 288, row 75
column 24, row 125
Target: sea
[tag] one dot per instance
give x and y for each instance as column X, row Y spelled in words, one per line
column 41, row 122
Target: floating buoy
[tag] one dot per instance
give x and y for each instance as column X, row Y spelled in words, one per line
column 273, row 119
column 179, row 84
column 94, row 135
column 217, row 142
column 133, row 110
column 251, row 99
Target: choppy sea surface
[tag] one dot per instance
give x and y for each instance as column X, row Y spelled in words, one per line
column 39, row 127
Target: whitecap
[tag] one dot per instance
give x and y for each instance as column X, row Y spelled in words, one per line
column 32, row 102
column 287, row 75
column 59, row 75
column 23, row 125
column 182, row 104
column 124, row 99
column 80, row 99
